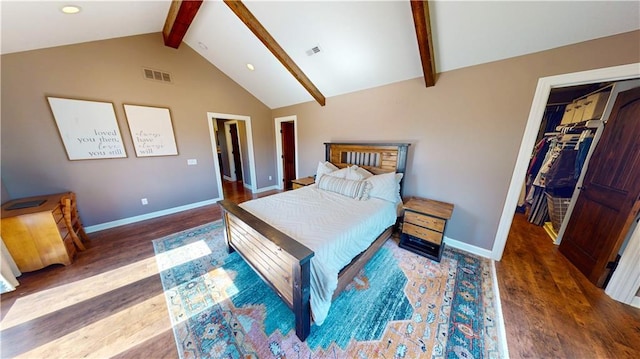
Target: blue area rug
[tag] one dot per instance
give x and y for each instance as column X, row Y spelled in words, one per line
column 400, row 305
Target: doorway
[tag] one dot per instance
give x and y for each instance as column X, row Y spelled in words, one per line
column 545, row 84
column 288, row 153
column 286, row 135
column 245, row 144
column 586, row 154
column 611, row 74
column 234, row 152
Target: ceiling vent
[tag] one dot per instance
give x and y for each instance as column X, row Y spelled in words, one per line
column 157, row 75
column 312, row 51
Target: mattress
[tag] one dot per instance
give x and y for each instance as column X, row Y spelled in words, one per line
column 337, row 228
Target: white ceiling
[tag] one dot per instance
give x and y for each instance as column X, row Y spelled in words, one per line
column 363, row 44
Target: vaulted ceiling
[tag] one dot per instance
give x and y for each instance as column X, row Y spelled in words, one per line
column 362, row 44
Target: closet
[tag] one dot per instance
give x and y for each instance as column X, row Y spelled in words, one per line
column 564, row 141
column 570, row 131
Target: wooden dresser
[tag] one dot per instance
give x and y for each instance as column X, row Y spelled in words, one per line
column 37, row 236
column 423, row 226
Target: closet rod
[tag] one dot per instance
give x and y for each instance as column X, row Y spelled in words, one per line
column 584, row 125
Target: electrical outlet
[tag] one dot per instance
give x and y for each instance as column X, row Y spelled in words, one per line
column 144, row 201
column 192, row 162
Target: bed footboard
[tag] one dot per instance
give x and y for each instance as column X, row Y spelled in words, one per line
column 282, row 262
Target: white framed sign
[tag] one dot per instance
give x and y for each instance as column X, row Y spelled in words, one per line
column 88, row 129
column 151, row 130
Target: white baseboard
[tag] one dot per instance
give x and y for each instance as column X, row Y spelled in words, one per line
column 265, row 189
column 502, row 330
column 635, row 302
column 467, row 247
column 142, row 217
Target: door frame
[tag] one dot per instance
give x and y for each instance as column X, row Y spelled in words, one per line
column 280, row 169
column 543, row 89
column 625, row 281
column 232, row 160
column 211, row 118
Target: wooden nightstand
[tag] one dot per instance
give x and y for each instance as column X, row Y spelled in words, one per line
column 301, row 182
column 423, row 226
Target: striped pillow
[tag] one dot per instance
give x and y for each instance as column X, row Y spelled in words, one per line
column 354, row 189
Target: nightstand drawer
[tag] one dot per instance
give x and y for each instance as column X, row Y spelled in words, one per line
column 423, row 233
column 436, row 224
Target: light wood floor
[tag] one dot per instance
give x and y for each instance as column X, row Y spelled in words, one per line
column 110, row 303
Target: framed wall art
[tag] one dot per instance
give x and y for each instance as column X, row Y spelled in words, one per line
column 151, row 130
column 89, row 129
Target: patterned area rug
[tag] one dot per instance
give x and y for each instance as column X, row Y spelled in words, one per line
column 400, row 305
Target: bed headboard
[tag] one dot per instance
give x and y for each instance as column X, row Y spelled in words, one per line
column 376, row 158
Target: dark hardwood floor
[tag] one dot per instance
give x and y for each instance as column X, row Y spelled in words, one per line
column 551, row 310
column 110, row 303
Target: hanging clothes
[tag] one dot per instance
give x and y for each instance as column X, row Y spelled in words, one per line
column 547, row 153
column 552, row 154
column 581, row 157
column 560, row 178
column 539, row 210
column 539, row 154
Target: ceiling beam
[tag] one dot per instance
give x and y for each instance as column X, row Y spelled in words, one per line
column 422, row 23
column 179, row 18
column 254, row 25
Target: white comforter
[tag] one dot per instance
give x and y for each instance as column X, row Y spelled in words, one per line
column 337, row 228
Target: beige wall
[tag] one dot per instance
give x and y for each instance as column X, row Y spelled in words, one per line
column 465, row 132
column 34, row 160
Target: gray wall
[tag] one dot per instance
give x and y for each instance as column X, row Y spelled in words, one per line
column 4, row 194
column 465, row 132
column 34, row 160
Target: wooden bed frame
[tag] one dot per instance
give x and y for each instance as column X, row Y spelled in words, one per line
column 281, row 261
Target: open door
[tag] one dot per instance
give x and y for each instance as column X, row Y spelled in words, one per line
column 287, row 131
column 235, row 145
column 609, row 197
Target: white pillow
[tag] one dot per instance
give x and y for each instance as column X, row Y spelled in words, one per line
column 354, row 189
column 398, row 179
column 341, row 173
column 325, row 168
column 356, row 173
column 386, row 186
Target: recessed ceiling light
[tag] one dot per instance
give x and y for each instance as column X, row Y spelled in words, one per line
column 70, row 9
column 250, row 67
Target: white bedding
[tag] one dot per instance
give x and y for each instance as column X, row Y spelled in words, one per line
column 337, row 228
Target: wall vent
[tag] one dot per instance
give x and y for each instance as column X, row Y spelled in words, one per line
column 314, row 50
column 157, row 75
